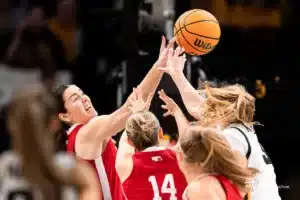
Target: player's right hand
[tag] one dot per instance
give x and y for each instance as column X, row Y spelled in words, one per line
column 170, row 106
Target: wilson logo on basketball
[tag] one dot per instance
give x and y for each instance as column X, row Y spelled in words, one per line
column 199, row 43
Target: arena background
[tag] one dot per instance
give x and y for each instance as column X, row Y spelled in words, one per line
column 118, row 41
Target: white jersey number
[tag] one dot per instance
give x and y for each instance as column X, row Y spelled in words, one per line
column 168, row 187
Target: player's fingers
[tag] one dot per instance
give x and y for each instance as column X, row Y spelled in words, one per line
column 131, row 109
column 171, row 43
column 182, row 51
column 163, row 43
column 134, row 97
column 163, row 94
column 165, row 107
column 161, row 97
column 170, row 53
column 162, row 69
column 131, row 101
column 167, row 114
column 177, row 51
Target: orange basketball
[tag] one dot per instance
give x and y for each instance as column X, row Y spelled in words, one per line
column 197, row 31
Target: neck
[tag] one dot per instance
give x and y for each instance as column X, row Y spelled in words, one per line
column 193, row 172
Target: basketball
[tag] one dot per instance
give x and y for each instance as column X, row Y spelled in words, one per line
column 197, row 31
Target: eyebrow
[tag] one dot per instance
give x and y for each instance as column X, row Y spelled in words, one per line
column 73, row 95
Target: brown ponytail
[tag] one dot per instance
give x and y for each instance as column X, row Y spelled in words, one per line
column 30, row 115
column 204, row 146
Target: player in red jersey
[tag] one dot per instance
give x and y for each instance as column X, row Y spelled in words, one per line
column 90, row 135
column 147, row 171
column 211, row 167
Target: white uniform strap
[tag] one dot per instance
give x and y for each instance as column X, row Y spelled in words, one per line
column 247, row 140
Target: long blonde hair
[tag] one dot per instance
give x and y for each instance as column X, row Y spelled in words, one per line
column 210, row 150
column 227, row 105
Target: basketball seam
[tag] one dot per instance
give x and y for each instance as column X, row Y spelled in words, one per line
column 184, row 27
column 175, row 35
column 188, row 41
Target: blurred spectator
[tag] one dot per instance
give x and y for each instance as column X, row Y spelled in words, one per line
column 35, row 46
column 63, row 25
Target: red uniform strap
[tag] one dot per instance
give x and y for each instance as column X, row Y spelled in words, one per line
column 72, row 138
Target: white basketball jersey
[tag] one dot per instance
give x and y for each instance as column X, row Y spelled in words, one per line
column 13, row 186
column 264, row 184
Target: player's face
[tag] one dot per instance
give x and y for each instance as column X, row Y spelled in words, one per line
column 79, row 106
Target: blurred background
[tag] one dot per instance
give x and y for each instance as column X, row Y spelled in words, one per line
column 106, row 47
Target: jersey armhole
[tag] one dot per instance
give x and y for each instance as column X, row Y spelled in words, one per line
column 75, row 131
column 132, row 171
column 248, row 153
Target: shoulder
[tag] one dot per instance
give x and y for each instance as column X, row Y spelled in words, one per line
column 205, row 188
column 86, row 133
column 234, row 135
column 74, row 129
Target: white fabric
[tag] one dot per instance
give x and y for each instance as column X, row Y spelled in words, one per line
column 264, row 184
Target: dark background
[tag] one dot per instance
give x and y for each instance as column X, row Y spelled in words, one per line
column 244, row 55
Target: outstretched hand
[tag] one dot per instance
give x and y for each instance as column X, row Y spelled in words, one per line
column 175, row 62
column 137, row 103
column 170, row 106
column 164, row 52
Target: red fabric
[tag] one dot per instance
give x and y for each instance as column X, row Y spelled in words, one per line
column 231, row 190
column 161, row 166
column 108, row 159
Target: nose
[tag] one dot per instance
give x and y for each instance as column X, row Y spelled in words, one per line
column 83, row 99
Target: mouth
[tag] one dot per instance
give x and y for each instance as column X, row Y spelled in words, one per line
column 87, row 107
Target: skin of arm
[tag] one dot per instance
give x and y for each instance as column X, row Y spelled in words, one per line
column 93, row 134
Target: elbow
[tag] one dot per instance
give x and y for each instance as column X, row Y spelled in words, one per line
column 195, row 112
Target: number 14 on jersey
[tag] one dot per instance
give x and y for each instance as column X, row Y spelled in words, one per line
column 168, row 187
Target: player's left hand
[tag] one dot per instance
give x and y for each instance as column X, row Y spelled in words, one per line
column 137, row 103
column 164, row 52
column 175, row 62
column 170, row 105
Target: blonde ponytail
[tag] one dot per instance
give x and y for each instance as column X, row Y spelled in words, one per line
column 209, row 149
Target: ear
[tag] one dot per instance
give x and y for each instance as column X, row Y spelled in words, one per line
column 64, row 117
column 129, row 142
column 160, row 134
column 179, row 156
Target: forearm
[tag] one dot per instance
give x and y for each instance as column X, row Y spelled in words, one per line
column 190, row 96
column 151, row 81
column 117, row 122
column 181, row 121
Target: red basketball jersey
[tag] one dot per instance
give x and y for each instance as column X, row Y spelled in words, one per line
column 155, row 175
column 231, row 191
column 104, row 166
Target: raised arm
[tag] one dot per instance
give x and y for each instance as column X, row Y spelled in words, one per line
column 174, row 110
column 102, row 127
column 124, row 162
column 190, row 96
